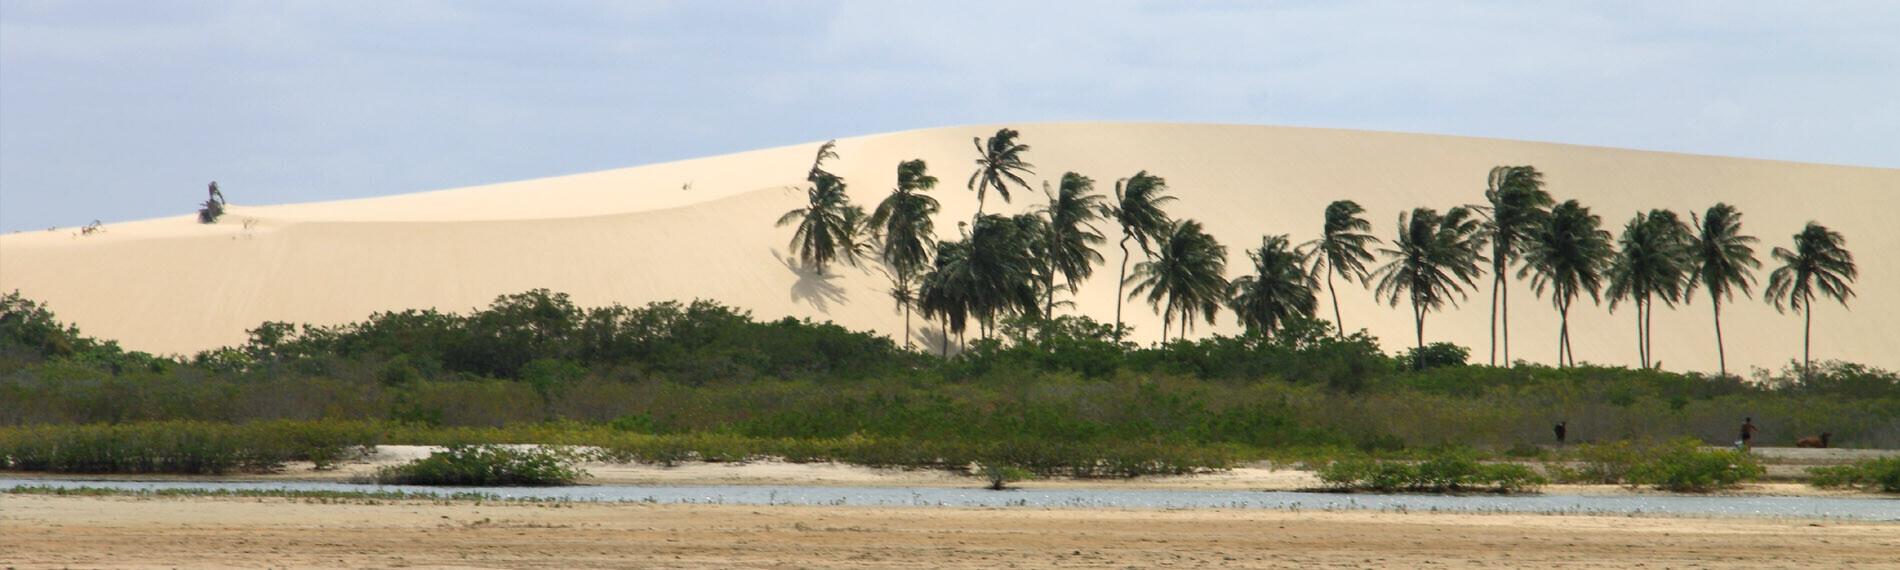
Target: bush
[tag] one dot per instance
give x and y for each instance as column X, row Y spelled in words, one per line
column 1603, row 463
column 1436, row 355
column 1881, row 474
column 1452, row 471
column 487, row 466
column 1684, row 466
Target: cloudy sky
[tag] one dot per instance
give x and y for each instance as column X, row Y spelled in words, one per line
column 123, row 110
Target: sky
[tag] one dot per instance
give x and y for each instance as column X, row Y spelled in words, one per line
column 125, row 110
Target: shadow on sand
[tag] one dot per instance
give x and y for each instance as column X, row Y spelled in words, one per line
column 817, row 289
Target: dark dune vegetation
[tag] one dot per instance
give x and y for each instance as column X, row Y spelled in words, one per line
column 674, row 382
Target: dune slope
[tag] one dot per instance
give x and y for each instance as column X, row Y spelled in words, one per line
column 704, row 229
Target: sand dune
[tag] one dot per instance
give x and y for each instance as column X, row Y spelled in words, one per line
column 703, row 229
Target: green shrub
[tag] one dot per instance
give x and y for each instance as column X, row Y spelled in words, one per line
column 487, row 466
column 1881, row 474
column 1453, row 471
column 1684, row 466
column 1000, row 475
column 1603, row 463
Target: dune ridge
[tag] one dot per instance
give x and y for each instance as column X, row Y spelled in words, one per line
column 702, row 228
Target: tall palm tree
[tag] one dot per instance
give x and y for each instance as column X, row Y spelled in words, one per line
column 1515, row 205
column 826, row 229
column 999, row 165
column 1434, row 258
column 1723, row 260
column 943, row 293
column 903, row 220
column 1070, row 234
column 1188, row 272
column 1138, row 210
column 1568, row 256
column 1652, row 262
column 1280, row 289
column 1341, row 249
column 1819, row 261
column 1001, row 265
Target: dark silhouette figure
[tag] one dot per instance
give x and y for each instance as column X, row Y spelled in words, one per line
column 1815, row 442
column 1748, row 432
column 215, row 195
column 1561, row 431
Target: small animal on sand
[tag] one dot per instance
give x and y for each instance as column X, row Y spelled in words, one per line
column 1561, row 431
column 1816, row 442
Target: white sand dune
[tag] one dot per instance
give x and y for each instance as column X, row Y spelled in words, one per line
column 704, row 229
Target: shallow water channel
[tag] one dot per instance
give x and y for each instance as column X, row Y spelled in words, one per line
column 1872, row 509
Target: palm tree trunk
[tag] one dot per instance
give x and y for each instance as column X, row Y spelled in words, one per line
column 1563, row 332
column 1121, row 287
column 907, row 345
column 1807, row 338
column 1167, row 319
column 1641, row 358
column 1496, row 284
column 1339, row 323
column 1721, row 356
column 1418, row 320
column 1649, row 337
column 1504, row 322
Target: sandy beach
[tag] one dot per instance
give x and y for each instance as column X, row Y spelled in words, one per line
column 58, row 532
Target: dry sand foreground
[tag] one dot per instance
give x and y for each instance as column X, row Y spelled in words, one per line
column 703, row 229
column 59, row 532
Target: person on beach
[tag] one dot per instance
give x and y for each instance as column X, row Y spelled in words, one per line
column 1748, row 432
column 1561, row 432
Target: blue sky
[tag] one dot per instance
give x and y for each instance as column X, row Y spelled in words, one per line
column 123, row 110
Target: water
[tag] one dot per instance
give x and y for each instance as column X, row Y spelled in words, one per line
column 1872, row 509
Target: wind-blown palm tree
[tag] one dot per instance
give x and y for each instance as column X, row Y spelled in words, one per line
column 1138, row 210
column 1652, row 262
column 999, row 166
column 1568, row 256
column 1515, row 205
column 1070, row 235
column 826, row 229
column 827, row 150
column 1280, row 289
column 1188, row 273
column 1434, row 258
column 1341, row 250
column 943, row 293
column 1001, row 265
column 903, row 221
column 1723, row 261
column 1819, row 262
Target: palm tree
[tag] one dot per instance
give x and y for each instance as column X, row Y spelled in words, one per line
column 1515, row 205
column 1070, row 234
column 1434, row 258
column 1187, row 272
column 1137, row 209
column 1341, row 249
column 1568, row 256
column 1722, row 262
column 904, row 221
column 943, row 293
column 826, row 229
column 1652, row 262
column 999, row 166
column 827, row 150
column 1000, row 268
column 1820, row 260
column 1280, row 289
